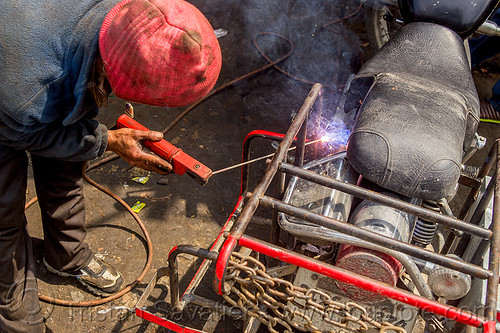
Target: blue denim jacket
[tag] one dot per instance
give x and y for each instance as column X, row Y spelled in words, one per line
column 47, row 49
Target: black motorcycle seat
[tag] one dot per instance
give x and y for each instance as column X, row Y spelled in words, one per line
column 419, row 115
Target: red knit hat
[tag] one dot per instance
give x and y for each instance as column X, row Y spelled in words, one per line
column 159, row 52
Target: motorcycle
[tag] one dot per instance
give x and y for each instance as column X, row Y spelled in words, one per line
column 363, row 235
column 383, row 18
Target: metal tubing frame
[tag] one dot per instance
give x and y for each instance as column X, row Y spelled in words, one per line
column 280, row 184
column 494, row 265
column 250, row 207
column 174, row 270
column 279, row 191
column 475, row 219
column 242, row 222
column 188, row 296
column 483, row 172
column 200, row 273
column 374, row 238
column 236, row 237
column 376, row 197
column 360, row 281
column 140, row 309
column 483, row 204
column 246, row 153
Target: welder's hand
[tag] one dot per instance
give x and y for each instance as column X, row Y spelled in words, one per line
column 127, row 143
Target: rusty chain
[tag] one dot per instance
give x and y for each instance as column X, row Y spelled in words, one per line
column 274, row 301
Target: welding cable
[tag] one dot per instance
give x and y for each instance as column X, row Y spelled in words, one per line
column 126, row 289
column 350, row 41
column 282, row 71
column 353, row 45
column 341, row 19
column 279, row 69
column 271, row 63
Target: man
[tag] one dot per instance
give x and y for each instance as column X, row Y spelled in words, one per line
column 58, row 62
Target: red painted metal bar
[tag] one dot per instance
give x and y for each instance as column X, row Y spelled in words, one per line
column 489, row 327
column 213, row 247
column 246, row 153
column 174, row 270
column 164, row 322
column 375, row 238
column 264, row 133
column 362, row 282
column 220, row 267
column 280, row 184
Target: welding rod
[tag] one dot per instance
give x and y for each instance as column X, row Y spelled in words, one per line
column 258, row 159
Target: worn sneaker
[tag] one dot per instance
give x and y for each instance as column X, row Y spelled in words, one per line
column 98, row 276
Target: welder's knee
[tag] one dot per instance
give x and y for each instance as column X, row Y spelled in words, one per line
column 13, row 182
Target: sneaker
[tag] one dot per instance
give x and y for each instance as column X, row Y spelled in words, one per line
column 487, row 111
column 98, row 276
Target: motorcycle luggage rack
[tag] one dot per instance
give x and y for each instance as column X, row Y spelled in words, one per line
column 231, row 249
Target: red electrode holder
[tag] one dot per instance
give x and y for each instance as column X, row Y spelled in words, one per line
column 181, row 162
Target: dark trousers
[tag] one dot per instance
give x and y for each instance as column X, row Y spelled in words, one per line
column 60, row 196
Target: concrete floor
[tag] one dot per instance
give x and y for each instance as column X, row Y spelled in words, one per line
column 178, row 210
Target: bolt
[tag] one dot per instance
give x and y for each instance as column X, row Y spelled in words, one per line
column 196, row 166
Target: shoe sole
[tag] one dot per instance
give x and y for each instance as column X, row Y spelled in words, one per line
column 487, row 111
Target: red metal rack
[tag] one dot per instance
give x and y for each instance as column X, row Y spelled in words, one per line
column 230, row 252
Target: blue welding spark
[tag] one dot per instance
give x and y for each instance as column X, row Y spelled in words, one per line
column 335, row 135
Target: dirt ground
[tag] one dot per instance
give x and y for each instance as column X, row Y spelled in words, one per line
column 177, row 209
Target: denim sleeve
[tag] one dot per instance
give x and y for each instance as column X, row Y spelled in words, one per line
column 80, row 141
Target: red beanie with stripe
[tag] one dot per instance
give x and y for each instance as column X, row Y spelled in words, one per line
column 159, row 52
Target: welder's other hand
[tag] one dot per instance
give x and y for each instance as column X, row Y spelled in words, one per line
column 127, row 143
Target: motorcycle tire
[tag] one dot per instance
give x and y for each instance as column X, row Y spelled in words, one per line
column 378, row 29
